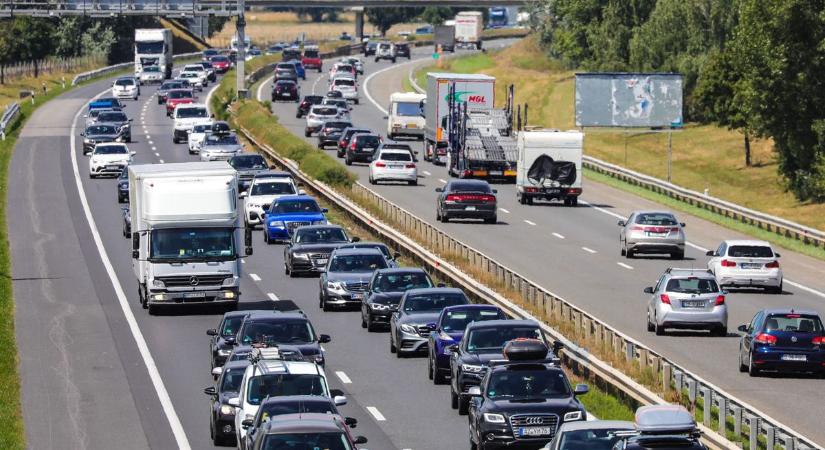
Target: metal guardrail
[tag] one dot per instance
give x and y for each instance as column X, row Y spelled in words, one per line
column 8, row 117
column 81, row 77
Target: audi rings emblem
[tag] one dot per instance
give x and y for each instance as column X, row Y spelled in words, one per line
column 794, row 339
column 533, row 421
column 193, row 281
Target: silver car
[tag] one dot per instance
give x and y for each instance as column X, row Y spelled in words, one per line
column 656, row 232
column 220, row 147
column 687, row 299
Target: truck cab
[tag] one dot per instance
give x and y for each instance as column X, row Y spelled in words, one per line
column 404, row 116
column 549, row 166
column 153, row 48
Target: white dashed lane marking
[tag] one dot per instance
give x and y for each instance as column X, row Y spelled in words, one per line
column 621, row 264
column 589, row 250
column 427, row 173
column 376, row 413
column 442, row 180
column 558, row 235
column 272, row 297
column 255, row 276
column 504, row 211
column 344, row 378
column 529, row 222
column 161, row 161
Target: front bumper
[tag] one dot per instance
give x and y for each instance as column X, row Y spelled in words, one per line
column 181, row 134
column 284, row 96
column 411, row 343
column 254, row 215
column 343, row 298
column 497, row 436
column 277, row 234
column 216, row 297
column 108, row 169
column 300, row 265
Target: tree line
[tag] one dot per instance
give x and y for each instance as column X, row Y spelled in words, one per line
column 750, row 65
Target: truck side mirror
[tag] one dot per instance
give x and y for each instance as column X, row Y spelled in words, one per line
column 135, row 245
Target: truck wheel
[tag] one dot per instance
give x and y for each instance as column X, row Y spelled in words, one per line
column 142, row 297
column 355, row 101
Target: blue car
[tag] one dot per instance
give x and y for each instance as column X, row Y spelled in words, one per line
column 289, row 212
column 300, row 70
column 449, row 329
column 784, row 340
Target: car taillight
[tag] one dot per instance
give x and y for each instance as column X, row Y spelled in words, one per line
column 720, row 300
column 675, row 229
column 452, row 198
column 352, row 146
column 637, row 228
column 410, row 166
column 765, row 338
column 664, row 298
column 726, row 263
column 380, row 164
column 772, row 265
column 818, row 340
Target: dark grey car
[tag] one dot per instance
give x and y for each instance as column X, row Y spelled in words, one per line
column 384, row 292
column 467, row 199
column 347, row 276
column 247, row 165
column 99, row 133
column 330, row 133
column 119, row 120
column 417, row 313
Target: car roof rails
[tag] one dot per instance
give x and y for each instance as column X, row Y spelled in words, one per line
column 687, row 269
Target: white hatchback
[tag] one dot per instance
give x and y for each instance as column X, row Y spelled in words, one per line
column 393, row 165
column 109, row 159
column 126, row 87
column 746, row 263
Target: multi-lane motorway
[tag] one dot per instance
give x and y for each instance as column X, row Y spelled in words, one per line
column 96, row 369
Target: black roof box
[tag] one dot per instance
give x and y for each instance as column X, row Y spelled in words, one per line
column 525, row 350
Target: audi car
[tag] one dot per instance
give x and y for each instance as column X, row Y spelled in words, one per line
column 287, row 213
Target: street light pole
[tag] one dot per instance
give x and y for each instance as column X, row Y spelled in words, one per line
column 240, row 60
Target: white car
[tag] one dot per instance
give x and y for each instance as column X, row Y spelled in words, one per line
column 263, row 191
column 195, row 80
column 185, row 117
column 109, row 159
column 342, row 68
column 319, row 114
column 126, row 87
column 270, row 375
column 203, row 75
column 393, row 165
column 746, row 263
column 196, row 137
column 150, row 74
column 347, row 87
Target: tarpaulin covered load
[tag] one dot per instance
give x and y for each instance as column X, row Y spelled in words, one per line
column 545, row 168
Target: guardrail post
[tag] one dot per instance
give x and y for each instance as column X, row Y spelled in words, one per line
column 707, row 405
column 586, row 328
column 691, row 384
column 790, row 442
column 667, row 376
column 770, row 438
column 753, row 425
column 548, row 305
column 737, row 419
column 644, row 358
column 723, row 416
column 629, row 351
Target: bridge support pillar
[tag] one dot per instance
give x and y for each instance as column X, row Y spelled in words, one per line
column 359, row 23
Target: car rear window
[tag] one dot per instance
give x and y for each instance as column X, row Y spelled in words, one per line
column 368, row 141
column 344, row 82
column 750, row 251
column 325, row 111
column 692, row 285
column 393, row 156
column 655, row 219
column 311, row 53
column 469, row 187
column 803, row 323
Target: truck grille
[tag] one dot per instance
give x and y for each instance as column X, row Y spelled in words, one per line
column 194, row 280
column 535, row 420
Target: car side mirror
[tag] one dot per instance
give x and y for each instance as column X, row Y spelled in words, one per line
column 360, row 440
column 244, row 194
column 324, row 210
column 230, row 340
column 648, row 290
column 211, row 332
column 234, row 401
column 474, row 391
column 83, row 133
column 386, row 117
column 495, row 191
column 216, row 372
column 351, row 422
column 777, row 255
column 438, row 189
column 340, row 400
column 710, row 253
column 130, row 120
column 742, row 328
column 557, row 347
column 396, row 255
column 682, row 224
column 324, row 338
column 441, row 285
column 432, row 326
column 355, row 239
column 302, row 192
column 581, row 389
column 246, row 424
column 210, row 390
column 453, row 348
column 621, row 223
column 133, row 153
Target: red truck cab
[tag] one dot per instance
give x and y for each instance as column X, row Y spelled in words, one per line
column 311, row 58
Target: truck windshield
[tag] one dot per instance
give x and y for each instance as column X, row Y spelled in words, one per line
column 149, row 47
column 407, row 109
column 277, row 385
column 181, row 244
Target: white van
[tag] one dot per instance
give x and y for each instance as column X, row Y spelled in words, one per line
column 404, row 115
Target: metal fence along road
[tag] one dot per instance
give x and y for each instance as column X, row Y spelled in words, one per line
column 9, row 114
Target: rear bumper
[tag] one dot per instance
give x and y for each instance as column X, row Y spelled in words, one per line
column 402, row 131
column 549, row 193
column 731, row 278
column 718, row 317
column 656, row 247
column 773, row 361
column 460, row 212
column 399, row 175
column 359, row 157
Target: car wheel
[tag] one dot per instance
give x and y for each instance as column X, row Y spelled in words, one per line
column 622, row 248
column 372, row 180
column 438, row 377
column 463, row 407
column 491, row 220
column 776, row 290
column 742, row 367
column 521, row 199
column 363, row 321
column 298, row 116
column 307, row 133
column 650, row 327
column 292, row 274
column 430, row 366
column 752, row 370
column 153, row 310
column 266, row 239
column 348, row 160
column 437, row 215
column 628, row 253
column 444, row 218
column 174, row 140
column 355, row 101
column 678, row 255
column 453, row 399
column 659, row 329
column 392, row 345
column 721, row 331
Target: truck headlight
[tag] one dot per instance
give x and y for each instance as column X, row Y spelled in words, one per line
column 471, row 368
column 573, row 415
column 493, row 418
column 408, row 328
column 158, row 283
column 227, row 410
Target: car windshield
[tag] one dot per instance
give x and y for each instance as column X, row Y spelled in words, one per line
column 296, row 207
column 692, row 285
column 111, row 150
column 401, row 281
column 458, row 320
column 326, row 441
column 368, row 141
column 180, row 94
column 202, row 129
column 272, row 187
column 112, row 117
column 433, row 302
column 220, row 59
column 395, row 156
column 278, row 331
column 325, row 111
column 272, row 409
column 407, row 109
column 314, row 99
column 230, row 325
column 101, row 129
column 801, row 323
column 344, row 82
column 656, row 219
column 246, row 162
column 337, row 103
column 357, row 263
column 191, row 113
column 487, row 339
column 527, row 384
column 221, row 139
column 469, row 187
column 750, row 251
column 192, row 243
column 596, row 439
column 320, row 236
column 125, row 82
column 232, row 379
column 285, row 84
column 383, row 248
column 278, row 385
column 337, row 125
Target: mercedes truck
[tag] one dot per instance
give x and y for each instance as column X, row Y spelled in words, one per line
column 186, row 234
column 153, row 47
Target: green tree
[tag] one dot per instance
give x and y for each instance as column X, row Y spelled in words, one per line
column 436, row 15
column 385, row 18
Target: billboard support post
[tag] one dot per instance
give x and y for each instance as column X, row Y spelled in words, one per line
column 669, row 155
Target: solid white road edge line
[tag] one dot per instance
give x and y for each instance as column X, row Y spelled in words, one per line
column 143, row 348
column 343, row 377
column 259, row 94
column 376, row 413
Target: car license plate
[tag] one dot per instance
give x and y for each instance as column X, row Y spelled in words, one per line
column 693, row 303
column 470, row 208
column 751, row 265
column 656, row 234
column 794, row 358
column 535, row 431
column 357, row 296
column 396, row 166
column 442, row 159
column 112, row 167
column 412, row 125
column 552, row 190
column 321, row 261
column 496, row 173
column 194, row 295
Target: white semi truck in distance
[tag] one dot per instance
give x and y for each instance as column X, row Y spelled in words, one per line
column 186, row 234
column 468, row 28
column 153, row 47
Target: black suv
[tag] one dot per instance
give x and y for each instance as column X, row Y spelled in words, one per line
column 346, row 137
column 292, row 329
column 482, row 343
column 522, row 401
column 361, row 148
column 222, row 339
column 384, row 293
column 402, row 49
column 330, row 133
column 222, row 416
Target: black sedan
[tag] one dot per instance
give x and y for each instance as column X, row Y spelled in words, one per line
column 99, row 133
column 308, row 102
column 330, row 133
column 467, row 199
column 222, row 339
column 402, row 49
column 286, row 90
column 384, row 292
column 370, row 47
column 123, row 187
column 222, row 415
column 284, row 329
column 309, row 248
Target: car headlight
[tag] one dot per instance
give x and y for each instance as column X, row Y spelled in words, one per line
column 158, row 283
column 573, row 415
column 335, row 285
column 227, row 410
column 277, row 224
column 300, row 256
column 493, row 418
column 471, row 368
column 224, row 353
column 444, row 336
column 88, row 141
column 378, row 307
column 407, row 328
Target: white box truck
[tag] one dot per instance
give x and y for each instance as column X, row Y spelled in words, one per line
column 477, row 90
column 186, row 233
column 153, row 47
column 468, row 28
column 549, row 166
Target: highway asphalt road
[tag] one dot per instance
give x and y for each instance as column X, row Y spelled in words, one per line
column 574, row 253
